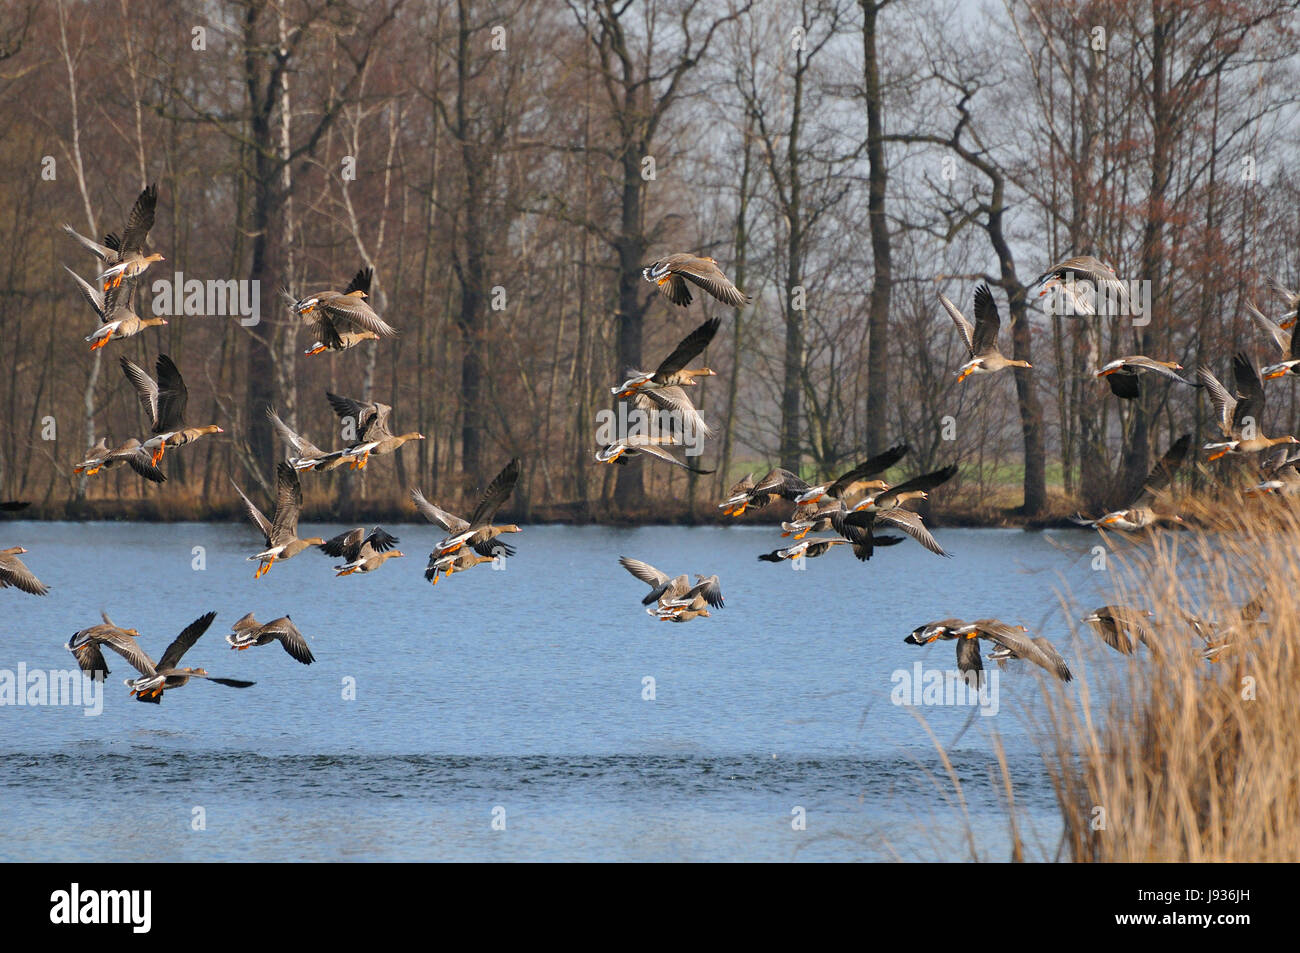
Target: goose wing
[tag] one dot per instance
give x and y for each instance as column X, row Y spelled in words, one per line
column 964, row 327
column 94, row 297
column 146, row 389
column 288, row 504
column 498, row 491
column 345, row 545
column 13, row 572
column 706, row 273
column 172, row 395
column 138, row 459
column 1281, row 338
column 185, row 641
column 987, row 322
column 911, row 524
column 434, row 514
column 257, row 516
column 140, row 220
column 1225, row 405
column 303, row 446
column 877, row 464
column 690, row 347
column 663, row 453
column 1250, row 391
column 293, row 641
column 1037, row 650
column 1166, row 468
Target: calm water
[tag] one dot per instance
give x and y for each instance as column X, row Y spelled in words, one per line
column 520, row 692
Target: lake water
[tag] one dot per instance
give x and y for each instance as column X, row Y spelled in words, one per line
column 515, row 698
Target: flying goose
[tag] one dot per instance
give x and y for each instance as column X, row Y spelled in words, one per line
column 115, row 318
column 131, row 453
column 981, row 340
column 1122, row 374
column 1121, row 627
column 671, row 275
column 1140, row 513
column 86, row 645
column 634, row 446
column 673, row 596
column 1013, row 643
column 371, row 420
column 361, row 551
column 164, row 402
column 341, row 319
column 672, row 370
column 13, row 572
column 303, row 454
column 969, row 662
column 248, row 632
column 1239, row 416
column 155, row 678
column 477, row 532
column 281, row 532
column 1105, row 285
column 128, row 260
column 854, row 480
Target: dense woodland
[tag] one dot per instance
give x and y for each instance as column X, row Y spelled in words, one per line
column 508, row 168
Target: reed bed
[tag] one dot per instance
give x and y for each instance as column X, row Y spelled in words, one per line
column 1169, row 757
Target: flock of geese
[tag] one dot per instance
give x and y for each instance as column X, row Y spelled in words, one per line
column 852, row 510
column 340, row 320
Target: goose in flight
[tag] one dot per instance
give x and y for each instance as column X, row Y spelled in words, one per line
column 361, row 551
column 166, row 673
column 969, row 661
column 248, row 632
column 672, row 370
column 341, row 319
column 1122, row 374
column 659, row 447
column 477, row 532
column 1101, row 284
column 280, row 534
column 116, row 320
column 676, row 595
column 131, row 453
column 1012, row 642
column 1141, row 513
column 1239, row 415
column 14, row 572
column 981, row 340
column 671, row 275
column 164, row 402
column 87, row 646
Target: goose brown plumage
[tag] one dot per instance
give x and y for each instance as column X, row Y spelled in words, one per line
column 166, row 673
column 981, row 340
column 14, row 572
column 361, row 551
column 672, row 370
column 672, row 273
column 116, row 320
column 1141, row 512
column 281, row 532
column 248, row 632
column 478, row 532
column 131, row 453
column 164, row 402
column 1239, row 416
column 341, row 319
column 129, row 259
